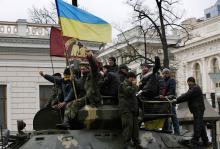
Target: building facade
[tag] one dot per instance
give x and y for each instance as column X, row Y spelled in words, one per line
column 123, row 46
column 200, row 57
column 213, row 11
column 24, row 51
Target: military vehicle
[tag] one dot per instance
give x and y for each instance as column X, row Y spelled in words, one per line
column 93, row 128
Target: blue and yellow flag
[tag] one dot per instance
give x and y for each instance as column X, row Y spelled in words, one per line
column 82, row 25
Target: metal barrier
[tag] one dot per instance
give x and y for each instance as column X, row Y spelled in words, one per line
column 155, row 108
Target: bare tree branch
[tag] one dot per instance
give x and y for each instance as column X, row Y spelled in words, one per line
column 44, row 15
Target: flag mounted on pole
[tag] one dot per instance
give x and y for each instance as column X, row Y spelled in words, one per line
column 82, row 25
column 57, row 47
column 61, row 45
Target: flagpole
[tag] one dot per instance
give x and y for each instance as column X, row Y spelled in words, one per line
column 68, row 64
column 66, row 54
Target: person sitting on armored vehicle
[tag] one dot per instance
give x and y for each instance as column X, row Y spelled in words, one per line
column 56, row 93
column 89, row 92
column 149, row 84
column 66, row 86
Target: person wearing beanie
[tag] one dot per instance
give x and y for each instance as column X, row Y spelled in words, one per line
column 128, row 106
column 66, row 86
column 112, row 64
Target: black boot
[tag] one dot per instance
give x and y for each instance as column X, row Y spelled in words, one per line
column 207, row 144
column 65, row 125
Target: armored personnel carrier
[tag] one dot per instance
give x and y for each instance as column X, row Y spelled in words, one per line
column 93, row 128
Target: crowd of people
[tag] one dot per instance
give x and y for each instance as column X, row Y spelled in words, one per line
column 72, row 92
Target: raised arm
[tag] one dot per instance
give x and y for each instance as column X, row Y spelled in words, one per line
column 93, row 65
column 52, row 79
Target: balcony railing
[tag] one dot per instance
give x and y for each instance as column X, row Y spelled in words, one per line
column 23, row 28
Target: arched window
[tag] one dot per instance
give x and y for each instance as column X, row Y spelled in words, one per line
column 197, row 74
column 215, row 66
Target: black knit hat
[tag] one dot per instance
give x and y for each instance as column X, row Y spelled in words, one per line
column 113, row 59
column 57, row 75
column 66, row 71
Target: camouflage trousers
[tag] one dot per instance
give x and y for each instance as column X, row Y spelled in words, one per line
column 73, row 107
column 130, row 127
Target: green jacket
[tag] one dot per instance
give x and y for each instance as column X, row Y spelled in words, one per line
column 90, row 83
column 127, row 97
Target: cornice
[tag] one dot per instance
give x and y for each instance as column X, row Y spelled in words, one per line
column 198, row 43
column 23, row 40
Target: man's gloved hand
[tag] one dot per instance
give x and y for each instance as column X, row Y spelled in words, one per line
column 61, row 105
column 171, row 97
column 174, row 101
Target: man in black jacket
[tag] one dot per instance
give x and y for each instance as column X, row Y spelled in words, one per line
column 110, row 82
column 112, row 64
column 194, row 97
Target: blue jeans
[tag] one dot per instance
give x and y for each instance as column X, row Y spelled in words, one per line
column 175, row 122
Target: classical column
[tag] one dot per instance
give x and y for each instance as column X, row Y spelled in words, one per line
column 204, row 75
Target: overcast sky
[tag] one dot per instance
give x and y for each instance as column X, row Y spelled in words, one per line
column 113, row 11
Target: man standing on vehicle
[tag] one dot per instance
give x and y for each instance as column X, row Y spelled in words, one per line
column 194, row 97
column 168, row 87
column 128, row 105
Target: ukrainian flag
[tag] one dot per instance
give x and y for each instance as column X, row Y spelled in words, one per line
column 82, row 25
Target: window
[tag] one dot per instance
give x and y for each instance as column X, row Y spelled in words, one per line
column 197, row 74
column 215, row 66
column 217, row 85
column 3, row 106
column 45, row 92
column 208, row 15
